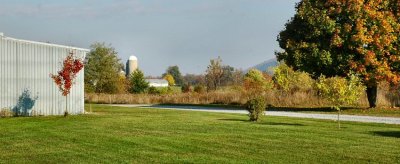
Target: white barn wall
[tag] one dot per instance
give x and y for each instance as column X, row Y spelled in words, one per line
column 157, row 82
column 28, row 65
column 158, row 85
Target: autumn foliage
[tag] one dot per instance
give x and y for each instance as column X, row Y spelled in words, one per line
column 336, row 37
column 256, row 82
column 372, row 35
column 64, row 78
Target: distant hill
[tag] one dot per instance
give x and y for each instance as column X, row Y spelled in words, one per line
column 265, row 66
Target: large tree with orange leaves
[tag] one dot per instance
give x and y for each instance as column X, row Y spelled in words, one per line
column 335, row 37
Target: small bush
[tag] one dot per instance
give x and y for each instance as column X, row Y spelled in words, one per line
column 186, row 88
column 256, row 108
column 255, row 81
column 199, row 89
column 165, row 90
column 152, row 90
column 340, row 91
column 159, row 90
column 290, row 81
column 6, row 112
column 176, row 89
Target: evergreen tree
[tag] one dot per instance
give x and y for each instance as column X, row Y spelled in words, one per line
column 138, row 83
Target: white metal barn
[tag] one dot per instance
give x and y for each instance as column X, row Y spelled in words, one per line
column 25, row 68
column 157, row 82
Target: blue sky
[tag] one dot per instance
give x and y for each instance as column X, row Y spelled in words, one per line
column 187, row 33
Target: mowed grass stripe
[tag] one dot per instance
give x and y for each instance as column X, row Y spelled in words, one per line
column 133, row 135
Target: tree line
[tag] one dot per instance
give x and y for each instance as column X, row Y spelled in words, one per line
column 104, row 74
column 343, row 38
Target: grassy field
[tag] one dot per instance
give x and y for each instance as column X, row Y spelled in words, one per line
column 131, row 135
column 380, row 112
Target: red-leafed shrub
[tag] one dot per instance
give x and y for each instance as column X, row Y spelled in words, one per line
column 65, row 77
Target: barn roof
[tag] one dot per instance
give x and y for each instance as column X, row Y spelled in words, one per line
column 158, row 81
column 41, row 43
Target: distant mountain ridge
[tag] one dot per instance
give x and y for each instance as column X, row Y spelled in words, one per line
column 265, row 66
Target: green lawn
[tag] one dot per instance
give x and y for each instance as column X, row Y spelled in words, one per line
column 379, row 112
column 131, row 135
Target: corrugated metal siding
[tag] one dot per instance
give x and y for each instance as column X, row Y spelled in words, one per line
column 28, row 65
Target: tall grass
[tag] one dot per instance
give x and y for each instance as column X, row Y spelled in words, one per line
column 180, row 98
column 234, row 97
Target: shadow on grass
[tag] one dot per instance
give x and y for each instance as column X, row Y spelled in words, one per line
column 262, row 123
column 221, row 106
column 233, row 119
column 395, row 134
column 282, row 124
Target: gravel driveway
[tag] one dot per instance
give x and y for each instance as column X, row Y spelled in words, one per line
column 370, row 119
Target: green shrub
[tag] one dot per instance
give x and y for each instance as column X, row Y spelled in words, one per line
column 152, row 90
column 303, row 82
column 199, row 89
column 290, row 81
column 256, row 108
column 165, row 90
column 340, row 91
column 159, row 90
column 176, row 89
column 186, row 88
column 256, row 81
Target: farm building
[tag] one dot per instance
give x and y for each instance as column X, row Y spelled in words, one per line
column 157, row 82
column 131, row 65
column 25, row 83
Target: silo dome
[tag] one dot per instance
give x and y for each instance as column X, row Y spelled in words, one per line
column 131, row 65
column 132, row 58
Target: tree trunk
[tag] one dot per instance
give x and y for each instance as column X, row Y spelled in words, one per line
column 372, row 91
column 66, row 107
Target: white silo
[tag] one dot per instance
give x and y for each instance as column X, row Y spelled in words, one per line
column 131, row 65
